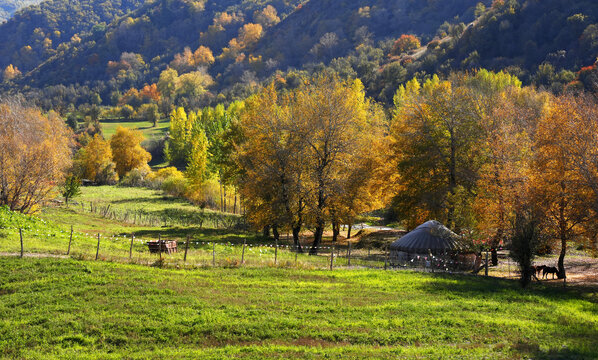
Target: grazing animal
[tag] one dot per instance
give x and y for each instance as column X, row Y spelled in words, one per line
column 549, row 270
column 539, row 269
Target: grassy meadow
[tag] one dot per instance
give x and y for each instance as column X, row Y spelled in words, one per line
column 146, row 128
column 64, row 308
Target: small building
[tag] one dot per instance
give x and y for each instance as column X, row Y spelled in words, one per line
column 431, row 243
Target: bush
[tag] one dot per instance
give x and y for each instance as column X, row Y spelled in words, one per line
column 175, row 186
column 136, row 177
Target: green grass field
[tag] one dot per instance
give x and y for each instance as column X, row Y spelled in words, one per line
column 64, row 308
column 146, row 128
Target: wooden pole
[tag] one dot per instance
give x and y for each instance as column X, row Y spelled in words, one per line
column 68, row 251
column 214, row 254
column 486, row 270
column 275, row 251
column 331, row 257
column 21, row 236
column 160, row 246
column 186, row 248
column 131, row 248
column 243, row 252
column 349, row 257
column 98, row 248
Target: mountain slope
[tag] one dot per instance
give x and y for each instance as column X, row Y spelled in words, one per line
column 350, row 21
column 38, row 32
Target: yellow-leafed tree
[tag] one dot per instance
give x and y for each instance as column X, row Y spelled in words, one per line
column 127, row 152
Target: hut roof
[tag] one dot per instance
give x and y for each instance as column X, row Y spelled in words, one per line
column 429, row 236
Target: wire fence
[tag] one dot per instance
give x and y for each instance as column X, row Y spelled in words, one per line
column 195, row 252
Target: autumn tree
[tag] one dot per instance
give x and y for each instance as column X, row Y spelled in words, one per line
column 34, row 152
column 127, row 152
column 11, row 72
column 266, row 17
column 203, row 56
column 437, row 137
column 178, row 146
column 94, row 161
column 560, row 188
column 197, row 169
column 271, row 158
column 405, row 43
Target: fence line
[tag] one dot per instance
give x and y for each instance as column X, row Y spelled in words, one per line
column 197, row 253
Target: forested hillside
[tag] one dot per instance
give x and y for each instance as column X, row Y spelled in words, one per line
column 8, row 7
column 33, row 35
column 218, row 51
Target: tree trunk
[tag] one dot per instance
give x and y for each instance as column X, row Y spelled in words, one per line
column 335, row 232
column 266, row 231
column 276, row 233
column 349, row 231
column 235, row 207
column 221, row 198
column 561, row 263
column 317, row 239
column 494, row 253
column 452, row 182
column 296, row 242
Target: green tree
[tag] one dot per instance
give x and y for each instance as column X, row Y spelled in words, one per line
column 70, row 188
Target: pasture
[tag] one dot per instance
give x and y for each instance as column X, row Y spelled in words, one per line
column 146, row 128
column 64, row 308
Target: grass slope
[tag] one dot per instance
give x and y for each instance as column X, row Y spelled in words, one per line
column 61, row 308
column 146, row 128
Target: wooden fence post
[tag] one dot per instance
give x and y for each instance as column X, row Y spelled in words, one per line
column 486, row 270
column 243, row 252
column 98, row 248
column 186, row 248
column 68, row 251
column 275, row 251
column 349, row 257
column 387, row 257
column 331, row 257
column 21, row 236
column 213, row 254
column 160, row 246
column 131, row 247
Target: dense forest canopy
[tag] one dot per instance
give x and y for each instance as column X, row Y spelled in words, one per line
column 95, row 52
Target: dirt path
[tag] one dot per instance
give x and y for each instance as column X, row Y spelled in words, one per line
column 35, row 255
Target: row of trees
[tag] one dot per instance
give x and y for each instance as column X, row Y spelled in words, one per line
column 476, row 151
column 306, row 156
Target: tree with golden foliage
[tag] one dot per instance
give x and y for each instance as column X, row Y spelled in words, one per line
column 95, row 161
column 559, row 184
column 437, row 138
column 34, row 153
column 127, row 152
column 304, row 155
column 11, row 72
column 203, row 56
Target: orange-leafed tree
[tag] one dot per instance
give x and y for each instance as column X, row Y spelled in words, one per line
column 127, row 152
column 34, row 153
column 559, row 186
column 405, row 43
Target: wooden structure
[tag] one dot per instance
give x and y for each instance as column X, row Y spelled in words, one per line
column 162, row 246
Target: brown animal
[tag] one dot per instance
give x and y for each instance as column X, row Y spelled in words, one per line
column 549, row 270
